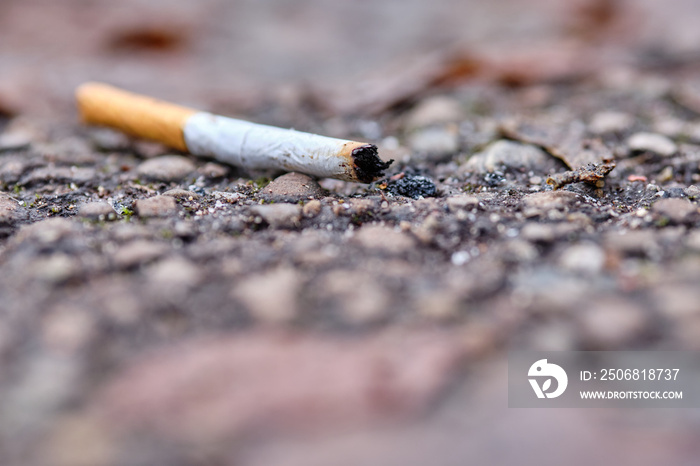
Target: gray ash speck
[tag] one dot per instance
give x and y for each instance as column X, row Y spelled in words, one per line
column 197, row 190
column 414, row 186
column 674, row 192
column 494, row 179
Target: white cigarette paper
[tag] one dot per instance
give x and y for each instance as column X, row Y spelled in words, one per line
column 237, row 142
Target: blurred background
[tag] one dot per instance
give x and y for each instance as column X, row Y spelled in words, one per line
column 210, row 52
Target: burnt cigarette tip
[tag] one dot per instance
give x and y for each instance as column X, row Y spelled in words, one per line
column 368, row 165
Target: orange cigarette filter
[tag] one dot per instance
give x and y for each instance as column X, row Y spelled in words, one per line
column 134, row 114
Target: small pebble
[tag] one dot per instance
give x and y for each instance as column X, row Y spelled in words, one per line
column 156, row 206
column 382, row 238
column 174, row 272
column 360, row 299
column 521, row 251
column 462, row 202
column 96, row 210
column 610, row 122
column 56, row 268
column 279, row 215
column 692, row 191
column 652, row 142
column 68, row 328
column 312, row 208
column 183, row 194
column 166, row 168
column 434, row 143
column 230, row 197
column 587, row 258
column 676, row 210
column 434, row 111
column 611, row 323
column 271, row 297
column 291, row 187
column 509, row 154
column 138, row 252
column 632, row 242
column 551, row 200
column 213, row 170
column 14, row 141
column 108, row 140
column 10, row 210
column 665, row 175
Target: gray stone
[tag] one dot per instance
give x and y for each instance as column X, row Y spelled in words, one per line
column 558, row 135
column 538, row 232
column 149, row 149
column 510, row 154
column 676, row 210
column 670, row 126
column 271, row 297
column 652, row 142
column 440, row 304
column 677, row 301
column 548, row 290
column 461, row 202
column 518, row 250
column 383, row 238
column 360, row 299
column 588, row 258
column 138, row 252
column 547, row 232
column 435, row 142
column 693, row 240
column 174, row 273
column 125, row 232
column 68, row 328
column 6, row 339
column 109, row 140
column 56, row 268
column 182, row 194
column 361, row 206
column 12, row 169
column 665, row 175
column 610, row 122
column 213, row 170
column 291, row 187
column 279, row 215
column 692, row 191
column 10, row 210
column 312, row 208
column 611, row 323
column 551, row 200
column 96, row 210
column 166, row 168
column 48, row 174
column 49, row 231
column 632, row 242
column 14, row 141
column 156, row 206
column 68, row 150
column 228, row 197
column 434, row 111
column 553, row 336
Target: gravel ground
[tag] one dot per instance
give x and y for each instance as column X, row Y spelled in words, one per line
column 157, row 308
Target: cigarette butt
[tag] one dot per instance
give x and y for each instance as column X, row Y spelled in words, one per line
column 237, row 142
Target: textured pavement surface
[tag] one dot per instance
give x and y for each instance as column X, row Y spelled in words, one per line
column 157, row 308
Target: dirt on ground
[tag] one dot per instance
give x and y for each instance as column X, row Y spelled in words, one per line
column 159, row 308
